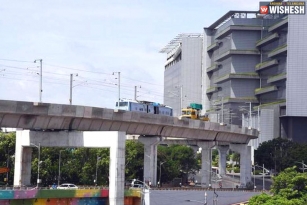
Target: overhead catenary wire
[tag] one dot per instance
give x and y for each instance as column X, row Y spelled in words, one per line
column 30, row 73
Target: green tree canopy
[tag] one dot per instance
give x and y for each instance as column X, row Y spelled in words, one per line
column 289, row 188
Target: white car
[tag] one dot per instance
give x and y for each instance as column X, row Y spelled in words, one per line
column 67, row 186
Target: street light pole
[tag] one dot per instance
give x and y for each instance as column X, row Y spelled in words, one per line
column 41, row 78
column 160, row 173
column 59, row 177
column 39, row 161
column 222, row 110
column 263, row 188
column 98, row 158
column 118, row 78
column 254, row 179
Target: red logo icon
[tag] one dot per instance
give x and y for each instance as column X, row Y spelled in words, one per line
column 264, row 9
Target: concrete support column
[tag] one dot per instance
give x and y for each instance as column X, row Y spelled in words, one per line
column 150, row 158
column 245, row 162
column 222, row 158
column 206, row 158
column 23, row 158
column 117, row 170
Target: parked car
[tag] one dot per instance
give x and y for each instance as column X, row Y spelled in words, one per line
column 136, row 186
column 67, row 186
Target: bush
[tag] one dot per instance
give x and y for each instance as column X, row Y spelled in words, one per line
column 236, row 169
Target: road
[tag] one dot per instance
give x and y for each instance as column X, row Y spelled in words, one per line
column 193, row 197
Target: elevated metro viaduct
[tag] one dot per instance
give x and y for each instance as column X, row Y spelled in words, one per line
column 73, row 126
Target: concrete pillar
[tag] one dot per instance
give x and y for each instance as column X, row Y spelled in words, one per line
column 91, row 139
column 150, row 158
column 222, row 158
column 245, row 162
column 117, row 170
column 206, row 158
column 23, row 158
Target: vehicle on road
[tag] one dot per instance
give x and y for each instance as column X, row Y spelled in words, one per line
column 67, row 186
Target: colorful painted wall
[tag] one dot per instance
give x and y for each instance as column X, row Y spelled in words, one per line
column 65, row 197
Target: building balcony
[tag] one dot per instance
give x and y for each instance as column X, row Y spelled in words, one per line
column 279, row 102
column 275, row 78
column 213, row 46
column 236, row 52
column 279, row 25
column 213, row 68
column 237, row 100
column 266, row 64
column 267, row 40
column 212, row 90
column 263, row 90
column 229, row 76
column 278, row 51
column 231, row 28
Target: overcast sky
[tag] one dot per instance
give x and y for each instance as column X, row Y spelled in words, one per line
column 94, row 39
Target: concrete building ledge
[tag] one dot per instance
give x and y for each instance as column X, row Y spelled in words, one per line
column 213, row 46
column 213, row 68
column 267, row 40
column 279, row 25
column 266, row 64
column 212, row 89
column 237, row 76
column 282, row 76
column 278, row 51
column 236, row 52
column 229, row 29
column 263, row 90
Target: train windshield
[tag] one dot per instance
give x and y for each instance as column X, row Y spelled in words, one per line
column 122, row 104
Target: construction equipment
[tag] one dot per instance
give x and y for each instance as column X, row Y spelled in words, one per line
column 194, row 112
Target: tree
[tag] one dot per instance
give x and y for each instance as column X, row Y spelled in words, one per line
column 7, row 151
column 289, row 188
column 179, row 161
column 279, row 153
column 134, row 160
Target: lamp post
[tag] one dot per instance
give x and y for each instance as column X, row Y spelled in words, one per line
column 254, row 178
column 263, row 185
column 98, row 158
column 41, row 78
column 118, row 78
column 250, row 115
column 160, row 173
column 39, row 162
column 303, row 165
column 59, row 177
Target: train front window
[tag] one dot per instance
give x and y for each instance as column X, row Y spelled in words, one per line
column 122, row 104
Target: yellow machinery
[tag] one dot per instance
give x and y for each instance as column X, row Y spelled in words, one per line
column 193, row 112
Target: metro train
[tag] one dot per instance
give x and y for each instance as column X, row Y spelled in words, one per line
column 144, row 106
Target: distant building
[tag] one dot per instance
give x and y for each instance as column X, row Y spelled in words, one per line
column 182, row 74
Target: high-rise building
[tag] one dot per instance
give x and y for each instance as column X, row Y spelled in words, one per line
column 253, row 73
column 182, row 74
